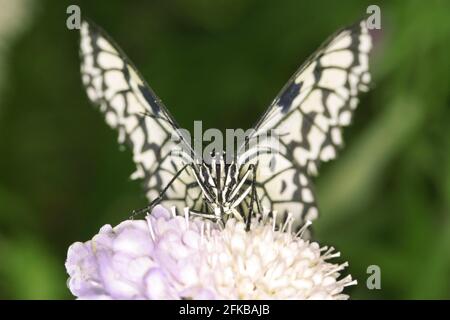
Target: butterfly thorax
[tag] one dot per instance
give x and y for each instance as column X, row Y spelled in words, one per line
column 223, row 186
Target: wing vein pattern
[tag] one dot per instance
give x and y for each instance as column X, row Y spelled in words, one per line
column 303, row 125
column 142, row 121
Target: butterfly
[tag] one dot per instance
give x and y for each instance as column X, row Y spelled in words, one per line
column 269, row 171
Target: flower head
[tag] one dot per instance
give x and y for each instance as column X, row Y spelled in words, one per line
column 174, row 257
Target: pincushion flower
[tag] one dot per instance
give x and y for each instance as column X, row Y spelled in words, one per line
column 175, row 257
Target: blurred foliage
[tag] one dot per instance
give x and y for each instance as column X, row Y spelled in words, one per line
column 385, row 201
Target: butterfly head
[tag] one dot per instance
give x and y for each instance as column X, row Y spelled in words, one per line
column 222, row 188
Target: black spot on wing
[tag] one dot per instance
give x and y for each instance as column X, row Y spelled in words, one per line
column 150, row 98
column 289, row 95
column 283, row 186
column 273, row 164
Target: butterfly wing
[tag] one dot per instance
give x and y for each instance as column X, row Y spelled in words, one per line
column 143, row 123
column 303, row 125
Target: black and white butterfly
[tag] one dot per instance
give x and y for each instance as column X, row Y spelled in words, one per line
column 305, row 119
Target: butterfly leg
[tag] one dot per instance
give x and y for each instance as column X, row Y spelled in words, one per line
column 160, row 196
column 209, row 216
column 254, row 197
column 258, row 201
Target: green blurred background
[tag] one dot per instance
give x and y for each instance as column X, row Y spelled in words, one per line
column 385, row 201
